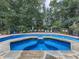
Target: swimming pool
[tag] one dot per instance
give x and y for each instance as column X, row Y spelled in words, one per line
column 40, row 44
column 39, row 35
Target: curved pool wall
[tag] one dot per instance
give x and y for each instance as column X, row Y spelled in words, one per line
column 39, row 35
column 40, row 44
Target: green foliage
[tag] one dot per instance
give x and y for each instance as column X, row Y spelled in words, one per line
column 24, row 15
column 17, row 15
column 67, row 11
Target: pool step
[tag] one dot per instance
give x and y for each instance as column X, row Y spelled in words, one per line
column 23, row 46
column 57, row 45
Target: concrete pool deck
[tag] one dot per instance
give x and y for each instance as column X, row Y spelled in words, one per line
column 5, row 52
column 41, row 55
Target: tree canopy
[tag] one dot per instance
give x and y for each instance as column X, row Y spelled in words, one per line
column 28, row 15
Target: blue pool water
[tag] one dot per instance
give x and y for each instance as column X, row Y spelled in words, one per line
column 39, row 35
column 40, row 44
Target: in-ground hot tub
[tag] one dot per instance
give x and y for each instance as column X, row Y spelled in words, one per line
column 40, row 44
